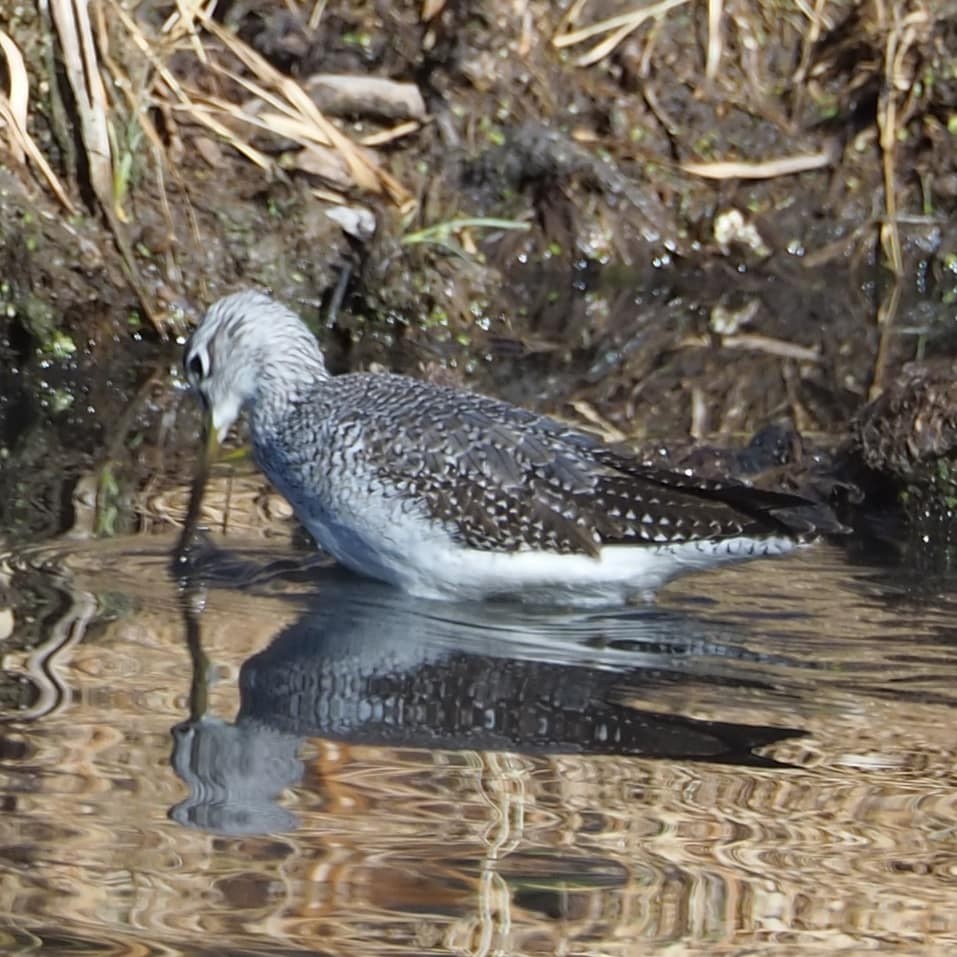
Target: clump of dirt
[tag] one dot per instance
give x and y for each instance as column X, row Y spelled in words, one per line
column 657, row 226
column 903, row 449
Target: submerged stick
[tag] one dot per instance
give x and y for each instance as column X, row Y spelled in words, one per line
column 193, row 600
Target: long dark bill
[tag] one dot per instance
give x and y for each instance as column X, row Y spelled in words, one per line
column 207, row 457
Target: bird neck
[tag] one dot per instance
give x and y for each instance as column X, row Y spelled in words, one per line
column 285, row 382
column 282, row 372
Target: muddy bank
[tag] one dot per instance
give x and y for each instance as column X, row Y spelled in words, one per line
column 678, row 238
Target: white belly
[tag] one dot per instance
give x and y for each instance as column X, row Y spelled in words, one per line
column 430, row 565
column 619, row 574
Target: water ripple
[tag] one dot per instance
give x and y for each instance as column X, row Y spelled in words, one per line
column 764, row 759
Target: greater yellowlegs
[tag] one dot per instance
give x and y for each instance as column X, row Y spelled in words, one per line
column 451, row 494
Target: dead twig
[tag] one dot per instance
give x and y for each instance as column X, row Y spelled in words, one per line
column 886, row 314
column 771, row 346
column 756, row 343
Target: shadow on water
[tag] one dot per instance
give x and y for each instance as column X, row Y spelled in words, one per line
column 366, row 664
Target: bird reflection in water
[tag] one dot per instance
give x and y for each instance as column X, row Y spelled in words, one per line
column 369, row 665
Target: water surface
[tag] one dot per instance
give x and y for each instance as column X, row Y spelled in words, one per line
column 289, row 760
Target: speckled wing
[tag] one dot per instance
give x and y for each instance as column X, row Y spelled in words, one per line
column 500, row 478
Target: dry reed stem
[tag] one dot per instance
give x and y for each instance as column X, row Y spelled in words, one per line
column 902, row 35
column 713, row 58
column 887, row 125
column 14, row 108
column 71, row 19
column 80, row 60
column 296, row 115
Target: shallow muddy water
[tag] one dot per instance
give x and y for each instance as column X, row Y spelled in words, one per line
column 289, row 760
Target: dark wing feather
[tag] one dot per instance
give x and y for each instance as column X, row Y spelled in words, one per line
column 779, row 511
column 503, row 478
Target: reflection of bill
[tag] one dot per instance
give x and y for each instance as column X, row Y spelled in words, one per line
column 369, row 665
column 235, row 774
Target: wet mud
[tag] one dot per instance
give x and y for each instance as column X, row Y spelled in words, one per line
column 684, row 242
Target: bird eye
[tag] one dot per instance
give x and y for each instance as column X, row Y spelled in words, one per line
column 195, row 367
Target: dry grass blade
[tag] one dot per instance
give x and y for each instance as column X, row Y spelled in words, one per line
column 315, row 17
column 207, row 110
column 206, row 115
column 192, row 105
column 366, row 173
column 569, row 17
column 18, row 96
column 13, row 111
column 390, row 135
column 765, row 169
column 329, row 196
column 183, row 22
column 292, row 113
column 619, row 27
column 597, row 422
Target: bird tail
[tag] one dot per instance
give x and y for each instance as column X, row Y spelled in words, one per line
column 793, row 514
